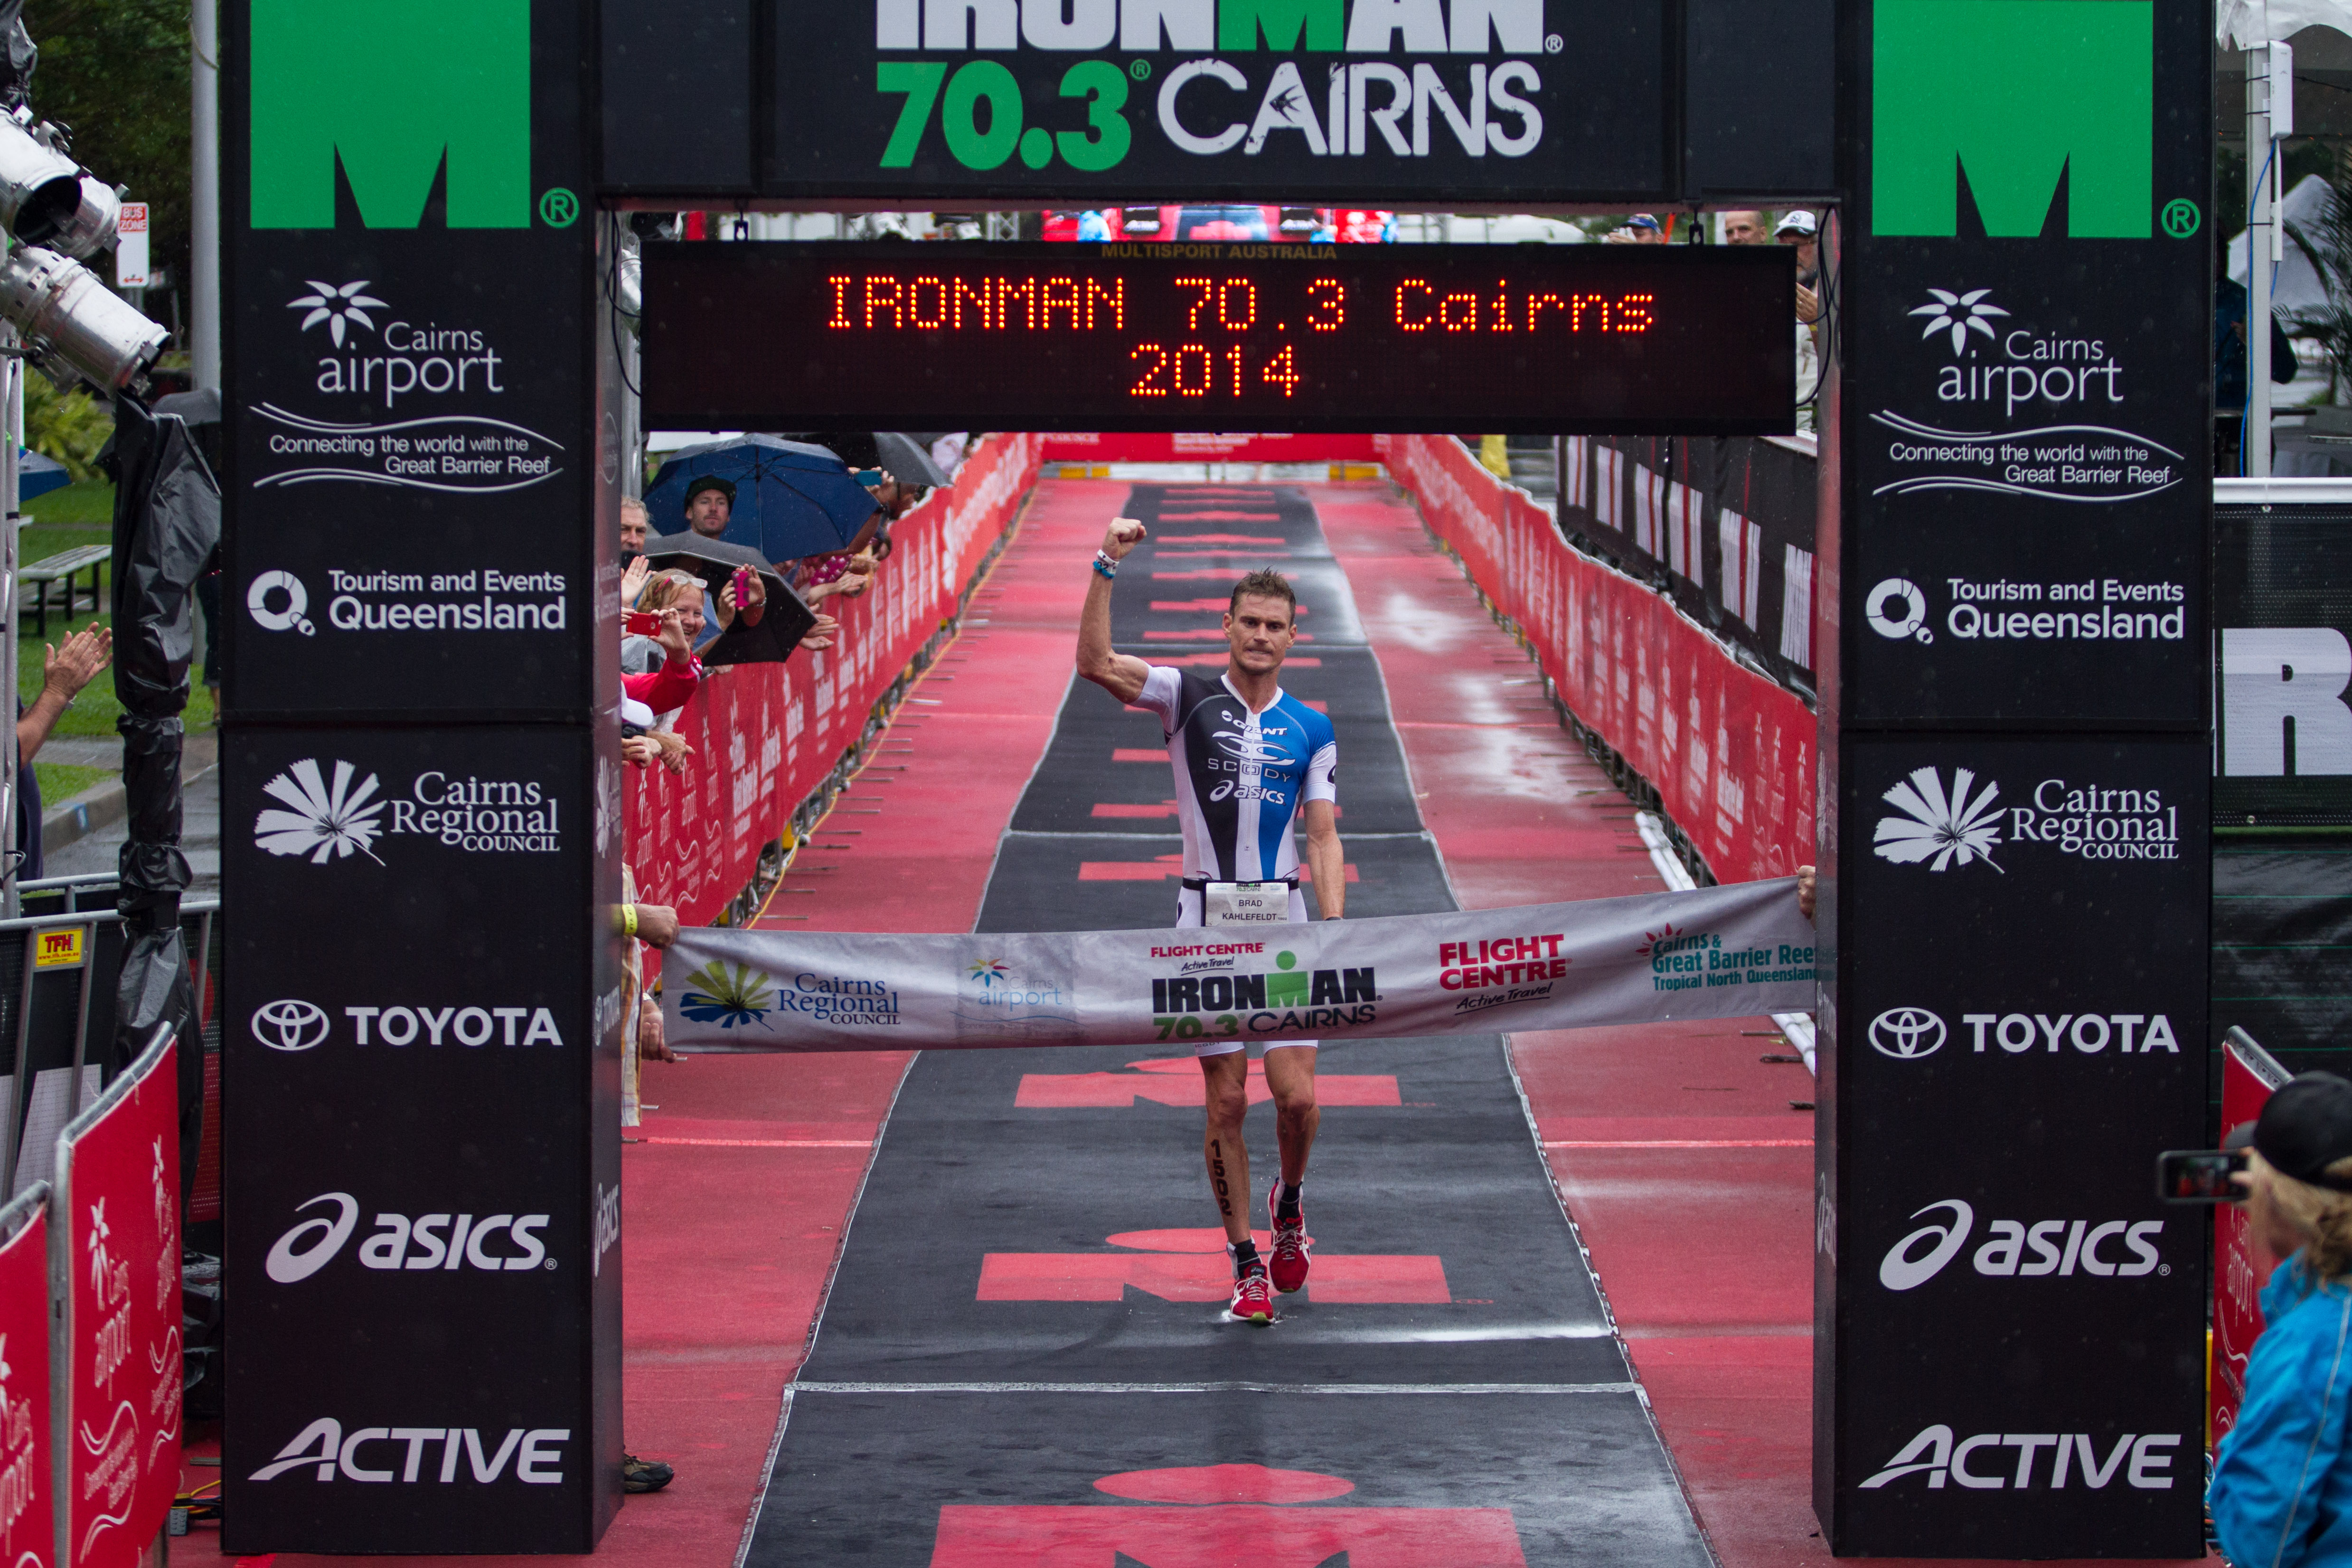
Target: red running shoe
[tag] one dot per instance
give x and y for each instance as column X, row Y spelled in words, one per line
column 1253, row 1302
column 1290, row 1245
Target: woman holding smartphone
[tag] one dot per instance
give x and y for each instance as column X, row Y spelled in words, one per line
column 2282, row 1491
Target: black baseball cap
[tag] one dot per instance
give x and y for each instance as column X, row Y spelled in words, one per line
column 2305, row 1127
column 710, row 482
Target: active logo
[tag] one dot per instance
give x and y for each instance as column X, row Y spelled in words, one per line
column 291, row 1025
column 2059, row 1248
column 1960, row 314
column 446, row 1241
column 385, row 1453
column 1909, row 1032
column 2145, row 1461
column 323, row 821
column 1906, row 1032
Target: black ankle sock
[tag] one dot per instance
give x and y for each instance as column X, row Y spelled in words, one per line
column 1244, row 1254
column 1286, row 1202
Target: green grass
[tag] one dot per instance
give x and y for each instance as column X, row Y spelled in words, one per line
column 95, row 711
column 85, row 501
column 62, row 781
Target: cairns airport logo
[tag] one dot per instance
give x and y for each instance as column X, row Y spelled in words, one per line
column 1943, row 827
column 1270, row 1001
column 323, row 820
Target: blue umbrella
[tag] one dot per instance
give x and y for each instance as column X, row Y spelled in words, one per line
column 790, row 500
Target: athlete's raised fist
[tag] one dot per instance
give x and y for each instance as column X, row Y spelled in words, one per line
column 1125, row 534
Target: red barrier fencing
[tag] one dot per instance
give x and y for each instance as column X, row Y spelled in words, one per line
column 1730, row 751
column 28, row 1531
column 117, row 1249
column 2249, row 1073
column 1204, row 446
column 766, row 736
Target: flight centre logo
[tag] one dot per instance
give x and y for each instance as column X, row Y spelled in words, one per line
column 1231, row 1001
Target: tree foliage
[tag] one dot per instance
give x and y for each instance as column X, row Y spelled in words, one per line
column 116, row 71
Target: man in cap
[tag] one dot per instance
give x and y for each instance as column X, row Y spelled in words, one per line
column 1799, row 229
column 709, row 502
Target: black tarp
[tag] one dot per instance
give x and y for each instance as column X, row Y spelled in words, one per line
column 167, row 521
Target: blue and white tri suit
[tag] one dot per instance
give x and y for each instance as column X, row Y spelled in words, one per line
column 1241, row 778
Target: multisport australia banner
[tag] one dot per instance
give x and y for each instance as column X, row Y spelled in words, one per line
column 1717, row 951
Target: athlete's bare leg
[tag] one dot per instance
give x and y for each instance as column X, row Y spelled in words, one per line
column 1290, row 1073
column 1226, row 1080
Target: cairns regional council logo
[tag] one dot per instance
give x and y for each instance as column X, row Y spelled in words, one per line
column 1944, row 826
column 737, row 995
column 1212, row 996
column 324, row 817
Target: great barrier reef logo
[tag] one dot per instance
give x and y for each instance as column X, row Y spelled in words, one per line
column 729, row 994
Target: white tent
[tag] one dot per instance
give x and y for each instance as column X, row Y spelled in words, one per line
column 2242, row 24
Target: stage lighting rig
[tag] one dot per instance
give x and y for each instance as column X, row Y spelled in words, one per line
column 73, row 324
column 41, row 188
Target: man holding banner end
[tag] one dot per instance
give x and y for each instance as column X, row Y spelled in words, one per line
column 1251, row 762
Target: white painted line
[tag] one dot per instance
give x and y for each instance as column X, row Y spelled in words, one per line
column 1233, row 1387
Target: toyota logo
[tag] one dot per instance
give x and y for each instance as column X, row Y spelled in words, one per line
column 289, row 1025
column 1906, row 1032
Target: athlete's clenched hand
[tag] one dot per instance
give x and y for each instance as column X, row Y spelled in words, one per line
column 1125, row 534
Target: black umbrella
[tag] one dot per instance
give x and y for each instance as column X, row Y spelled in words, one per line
column 783, row 625
column 905, row 458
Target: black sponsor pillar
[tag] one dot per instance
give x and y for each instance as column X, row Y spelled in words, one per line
column 420, row 816
column 2007, row 1346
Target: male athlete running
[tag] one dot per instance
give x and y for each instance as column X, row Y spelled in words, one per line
column 1247, row 755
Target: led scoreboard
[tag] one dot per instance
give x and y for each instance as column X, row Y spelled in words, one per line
column 1602, row 338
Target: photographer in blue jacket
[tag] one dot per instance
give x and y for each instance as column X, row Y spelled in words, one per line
column 2282, row 1491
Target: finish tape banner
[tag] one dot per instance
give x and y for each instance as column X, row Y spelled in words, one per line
column 1717, row 951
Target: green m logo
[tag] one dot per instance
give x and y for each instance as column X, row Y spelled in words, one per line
column 2010, row 93
column 391, row 91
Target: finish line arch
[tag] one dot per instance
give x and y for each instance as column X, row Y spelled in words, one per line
column 422, row 277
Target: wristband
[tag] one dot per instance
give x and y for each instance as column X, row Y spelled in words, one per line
column 1103, row 565
column 629, row 921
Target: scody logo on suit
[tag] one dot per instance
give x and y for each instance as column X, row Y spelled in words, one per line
column 322, row 821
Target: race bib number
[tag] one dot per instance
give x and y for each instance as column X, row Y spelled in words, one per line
column 1245, row 902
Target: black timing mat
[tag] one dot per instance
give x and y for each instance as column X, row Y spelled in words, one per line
column 1024, row 1356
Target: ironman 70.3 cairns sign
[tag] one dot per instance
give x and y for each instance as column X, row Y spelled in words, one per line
column 1393, row 100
